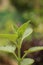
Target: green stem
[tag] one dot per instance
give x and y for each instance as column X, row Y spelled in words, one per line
column 24, row 55
column 19, row 52
column 19, row 56
column 18, row 63
column 15, row 56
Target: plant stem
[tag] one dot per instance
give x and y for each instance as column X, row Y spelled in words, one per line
column 15, row 56
column 19, row 56
column 24, row 55
column 19, row 52
column 18, row 62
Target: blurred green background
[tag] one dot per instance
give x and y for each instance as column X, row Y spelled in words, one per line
column 19, row 12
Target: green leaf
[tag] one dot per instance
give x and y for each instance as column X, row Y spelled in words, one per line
column 15, row 27
column 23, row 28
column 27, row 61
column 9, row 49
column 3, row 42
column 34, row 49
column 11, row 37
column 27, row 32
column 11, row 27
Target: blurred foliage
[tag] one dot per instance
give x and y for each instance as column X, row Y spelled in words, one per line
column 24, row 10
column 20, row 11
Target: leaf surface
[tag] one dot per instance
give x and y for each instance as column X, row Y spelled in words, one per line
column 27, row 32
column 9, row 49
column 34, row 49
column 11, row 37
column 27, row 61
column 23, row 28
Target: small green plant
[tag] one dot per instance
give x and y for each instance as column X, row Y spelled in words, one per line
column 17, row 38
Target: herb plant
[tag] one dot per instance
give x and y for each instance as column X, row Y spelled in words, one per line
column 17, row 38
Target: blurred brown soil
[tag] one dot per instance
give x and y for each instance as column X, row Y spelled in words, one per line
column 5, row 60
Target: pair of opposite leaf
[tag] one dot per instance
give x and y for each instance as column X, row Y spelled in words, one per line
column 20, row 33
